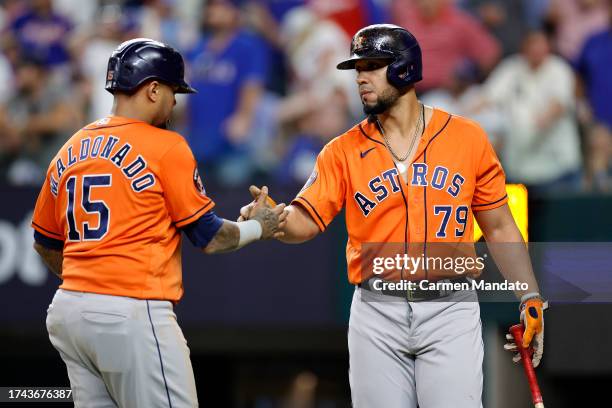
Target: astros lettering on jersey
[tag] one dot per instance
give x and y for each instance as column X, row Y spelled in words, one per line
column 454, row 172
column 117, row 193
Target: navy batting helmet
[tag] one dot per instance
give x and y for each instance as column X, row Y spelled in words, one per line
column 390, row 43
column 141, row 59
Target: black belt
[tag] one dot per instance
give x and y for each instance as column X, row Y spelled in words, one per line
column 417, row 294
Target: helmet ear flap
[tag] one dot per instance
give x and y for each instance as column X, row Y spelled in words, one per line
column 406, row 69
column 112, row 73
column 397, row 73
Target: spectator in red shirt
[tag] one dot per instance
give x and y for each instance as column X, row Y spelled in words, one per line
column 447, row 36
column 350, row 15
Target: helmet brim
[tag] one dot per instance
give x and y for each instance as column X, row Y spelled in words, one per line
column 185, row 88
column 180, row 88
column 351, row 62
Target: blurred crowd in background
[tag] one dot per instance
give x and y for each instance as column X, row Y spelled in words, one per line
column 536, row 74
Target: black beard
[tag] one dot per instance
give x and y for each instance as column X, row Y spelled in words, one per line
column 386, row 100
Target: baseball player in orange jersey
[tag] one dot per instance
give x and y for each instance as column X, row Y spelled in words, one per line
column 108, row 222
column 411, row 174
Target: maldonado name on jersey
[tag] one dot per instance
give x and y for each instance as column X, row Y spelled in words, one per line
column 101, row 147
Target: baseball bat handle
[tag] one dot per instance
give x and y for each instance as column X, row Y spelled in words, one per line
column 536, row 394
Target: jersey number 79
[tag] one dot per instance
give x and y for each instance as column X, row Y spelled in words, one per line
column 461, row 218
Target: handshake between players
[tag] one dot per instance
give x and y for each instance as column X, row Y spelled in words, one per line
column 264, row 209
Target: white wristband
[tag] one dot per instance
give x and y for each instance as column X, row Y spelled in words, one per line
column 530, row 295
column 249, row 231
column 526, row 297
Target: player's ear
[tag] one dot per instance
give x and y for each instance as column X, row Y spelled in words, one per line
column 154, row 91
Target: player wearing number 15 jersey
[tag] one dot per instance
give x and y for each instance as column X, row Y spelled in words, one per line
column 117, row 195
column 108, row 222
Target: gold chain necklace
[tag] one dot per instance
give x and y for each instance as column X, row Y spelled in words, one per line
column 417, row 130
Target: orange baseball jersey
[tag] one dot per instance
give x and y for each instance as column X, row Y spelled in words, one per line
column 117, row 193
column 453, row 173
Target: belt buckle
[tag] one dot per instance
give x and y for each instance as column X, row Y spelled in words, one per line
column 415, row 295
column 418, row 295
column 409, row 295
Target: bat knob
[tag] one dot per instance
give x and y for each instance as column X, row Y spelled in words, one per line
column 517, row 332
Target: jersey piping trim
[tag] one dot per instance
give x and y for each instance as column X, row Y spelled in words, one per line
column 161, row 362
column 314, row 211
column 368, row 137
column 494, row 202
column 425, row 204
column 401, row 184
column 450, row 116
column 109, row 126
column 195, row 213
column 425, row 190
column 45, row 230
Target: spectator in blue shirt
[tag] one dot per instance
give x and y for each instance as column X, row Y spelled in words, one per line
column 228, row 68
column 299, row 160
column 42, row 33
column 593, row 66
column 265, row 17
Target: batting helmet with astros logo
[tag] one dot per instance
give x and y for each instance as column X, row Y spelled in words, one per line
column 393, row 45
column 139, row 60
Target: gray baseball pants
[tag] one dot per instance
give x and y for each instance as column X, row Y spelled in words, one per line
column 121, row 352
column 404, row 353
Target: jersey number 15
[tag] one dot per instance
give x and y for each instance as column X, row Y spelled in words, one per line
column 90, row 207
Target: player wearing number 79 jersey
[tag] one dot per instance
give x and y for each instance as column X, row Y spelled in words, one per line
column 108, row 222
column 411, row 177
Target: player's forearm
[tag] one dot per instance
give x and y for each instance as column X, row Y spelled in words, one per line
column 51, row 257
column 264, row 224
column 299, row 226
column 510, row 253
column 226, row 239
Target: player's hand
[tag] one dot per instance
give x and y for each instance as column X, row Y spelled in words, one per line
column 246, row 210
column 532, row 317
column 272, row 219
